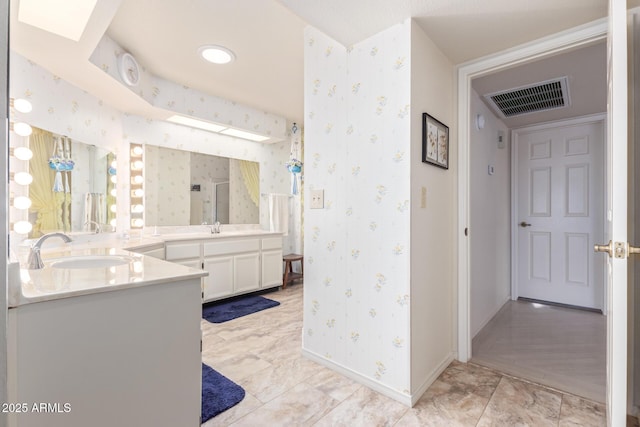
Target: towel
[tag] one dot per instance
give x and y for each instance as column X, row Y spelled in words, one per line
column 279, row 213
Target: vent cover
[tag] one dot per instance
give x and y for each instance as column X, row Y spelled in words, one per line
column 544, row 96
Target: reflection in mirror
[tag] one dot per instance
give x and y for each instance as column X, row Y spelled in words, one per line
column 186, row 188
column 71, row 188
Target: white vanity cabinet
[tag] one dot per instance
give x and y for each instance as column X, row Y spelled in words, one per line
column 155, row 250
column 236, row 264
column 127, row 357
column 271, row 261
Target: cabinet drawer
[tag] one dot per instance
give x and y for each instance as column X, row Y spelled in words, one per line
column 231, row 246
column 271, row 243
column 182, row 251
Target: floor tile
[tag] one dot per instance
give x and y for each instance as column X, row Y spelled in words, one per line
column 518, row 403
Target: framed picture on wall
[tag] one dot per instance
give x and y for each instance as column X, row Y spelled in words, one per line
column 435, row 142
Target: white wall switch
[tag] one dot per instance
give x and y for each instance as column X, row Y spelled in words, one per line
column 317, row 199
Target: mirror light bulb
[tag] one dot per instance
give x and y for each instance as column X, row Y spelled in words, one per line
column 113, row 222
column 22, row 202
column 23, row 178
column 22, row 105
column 137, row 222
column 22, row 227
column 113, row 208
column 137, row 179
column 137, row 151
column 137, row 165
column 113, row 192
column 22, row 153
column 138, row 192
column 113, row 179
column 114, row 164
column 22, row 129
column 137, row 208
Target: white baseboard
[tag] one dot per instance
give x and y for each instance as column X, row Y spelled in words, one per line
column 401, row 397
column 490, row 316
column 431, row 378
column 366, row 381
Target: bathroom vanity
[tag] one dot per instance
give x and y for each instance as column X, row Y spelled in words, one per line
column 105, row 345
column 236, row 264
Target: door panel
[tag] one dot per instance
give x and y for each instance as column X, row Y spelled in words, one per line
column 560, row 212
column 617, row 212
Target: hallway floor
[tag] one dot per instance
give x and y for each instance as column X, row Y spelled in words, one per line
column 261, row 352
column 556, row 346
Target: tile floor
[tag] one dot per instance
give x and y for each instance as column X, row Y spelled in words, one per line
column 261, row 352
column 556, row 346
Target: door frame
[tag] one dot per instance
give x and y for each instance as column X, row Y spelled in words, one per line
column 593, row 118
column 571, row 39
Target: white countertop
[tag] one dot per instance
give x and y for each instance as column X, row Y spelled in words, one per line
column 49, row 283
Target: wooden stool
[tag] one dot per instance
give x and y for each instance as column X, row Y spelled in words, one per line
column 289, row 275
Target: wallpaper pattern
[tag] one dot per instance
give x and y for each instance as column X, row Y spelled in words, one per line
column 357, row 135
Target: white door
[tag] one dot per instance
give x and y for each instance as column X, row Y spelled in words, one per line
column 559, row 212
column 617, row 214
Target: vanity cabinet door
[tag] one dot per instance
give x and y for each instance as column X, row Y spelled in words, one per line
column 271, row 268
column 246, row 272
column 219, row 283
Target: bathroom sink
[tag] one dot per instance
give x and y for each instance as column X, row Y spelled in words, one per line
column 91, row 261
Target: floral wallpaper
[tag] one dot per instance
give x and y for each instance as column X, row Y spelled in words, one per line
column 357, row 144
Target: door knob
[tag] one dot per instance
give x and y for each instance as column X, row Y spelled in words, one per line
column 605, row 248
column 617, row 249
column 524, row 224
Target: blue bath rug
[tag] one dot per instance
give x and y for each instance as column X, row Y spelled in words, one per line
column 228, row 310
column 219, row 393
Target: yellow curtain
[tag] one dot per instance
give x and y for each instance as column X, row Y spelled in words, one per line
column 44, row 202
column 251, row 176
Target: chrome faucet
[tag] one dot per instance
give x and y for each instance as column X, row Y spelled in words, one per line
column 215, row 228
column 35, row 259
column 98, row 228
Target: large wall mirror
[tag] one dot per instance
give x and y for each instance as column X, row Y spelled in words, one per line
column 73, row 186
column 188, row 188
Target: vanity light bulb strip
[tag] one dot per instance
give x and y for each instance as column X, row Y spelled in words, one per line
column 22, row 227
column 22, row 202
column 21, row 153
column 22, row 178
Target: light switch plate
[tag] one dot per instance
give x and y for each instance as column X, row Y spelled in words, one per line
column 317, row 199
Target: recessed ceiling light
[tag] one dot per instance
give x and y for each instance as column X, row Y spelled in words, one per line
column 245, row 135
column 216, row 54
column 200, row 124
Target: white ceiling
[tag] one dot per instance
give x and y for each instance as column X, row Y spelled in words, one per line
column 586, row 69
column 267, row 38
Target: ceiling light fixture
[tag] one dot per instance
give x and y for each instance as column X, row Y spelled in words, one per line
column 212, row 127
column 216, row 54
column 195, row 123
column 244, row 135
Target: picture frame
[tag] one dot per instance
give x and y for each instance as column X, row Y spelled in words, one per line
column 435, row 142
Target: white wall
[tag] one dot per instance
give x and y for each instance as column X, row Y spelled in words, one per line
column 380, row 269
column 357, row 149
column 433, row 234
column 490, row 207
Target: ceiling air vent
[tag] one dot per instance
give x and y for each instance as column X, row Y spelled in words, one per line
column 542, row 96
